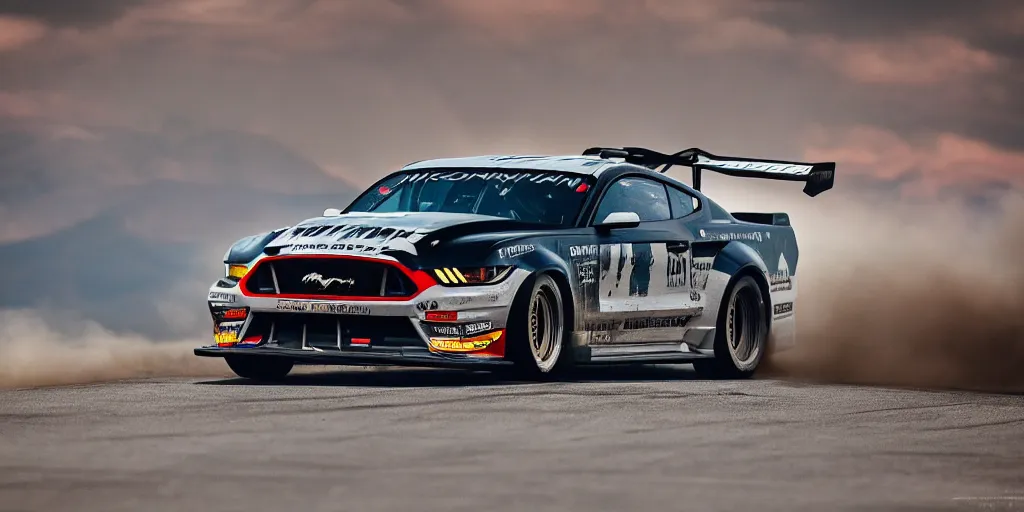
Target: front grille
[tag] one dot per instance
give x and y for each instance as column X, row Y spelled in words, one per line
column 325, row 331
column 329, row 277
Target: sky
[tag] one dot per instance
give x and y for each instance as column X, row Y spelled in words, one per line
column 138, row 138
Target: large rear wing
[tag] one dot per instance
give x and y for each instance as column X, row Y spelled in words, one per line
column 818, row 177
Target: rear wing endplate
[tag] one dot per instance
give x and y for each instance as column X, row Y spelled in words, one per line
column 818, row 177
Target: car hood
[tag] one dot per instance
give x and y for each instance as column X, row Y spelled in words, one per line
column 374, row 233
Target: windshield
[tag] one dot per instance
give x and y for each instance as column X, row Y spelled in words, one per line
column 529, row 196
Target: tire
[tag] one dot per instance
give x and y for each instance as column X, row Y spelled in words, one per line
column 741, row 336
column 260, row 368
column 537, row 338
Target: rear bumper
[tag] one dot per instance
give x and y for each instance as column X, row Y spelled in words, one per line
column 404, row 356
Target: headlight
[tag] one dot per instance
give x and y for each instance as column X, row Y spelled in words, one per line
column 453, row 276
column 237, row 271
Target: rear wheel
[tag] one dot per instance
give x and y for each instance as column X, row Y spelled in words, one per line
column 741, row 335
column 536, row 329
column 259, row 368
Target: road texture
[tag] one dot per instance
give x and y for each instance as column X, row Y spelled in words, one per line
column 413, row 440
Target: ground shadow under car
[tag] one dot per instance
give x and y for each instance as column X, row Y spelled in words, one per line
column 421, row 377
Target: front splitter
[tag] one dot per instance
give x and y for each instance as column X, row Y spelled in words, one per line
column 359, row 357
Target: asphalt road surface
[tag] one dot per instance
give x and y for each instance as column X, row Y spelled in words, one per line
column 414, row 440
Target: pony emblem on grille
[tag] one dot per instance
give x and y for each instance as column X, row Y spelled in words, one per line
column 326, row 283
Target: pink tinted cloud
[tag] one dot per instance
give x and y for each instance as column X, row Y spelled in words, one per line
column 923, row 60
column 944, row 160
column 17, row 32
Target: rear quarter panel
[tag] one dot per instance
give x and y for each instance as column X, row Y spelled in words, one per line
column 770, row 253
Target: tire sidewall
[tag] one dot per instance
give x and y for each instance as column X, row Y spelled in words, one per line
column 519, row 350
column 723, row 350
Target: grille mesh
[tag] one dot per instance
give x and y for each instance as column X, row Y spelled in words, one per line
column 330, row 277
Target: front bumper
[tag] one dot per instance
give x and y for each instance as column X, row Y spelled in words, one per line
column 371, row 332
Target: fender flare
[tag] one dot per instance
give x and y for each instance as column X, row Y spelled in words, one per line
column 737, row 259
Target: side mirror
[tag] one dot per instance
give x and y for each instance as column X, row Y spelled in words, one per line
column 332, row 212
column 619, row 220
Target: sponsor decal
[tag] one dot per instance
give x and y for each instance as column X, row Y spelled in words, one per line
column 460, row 331
column 322, row 307
column 454, row 331
column 326, row 282
column 603, row 325
column 780, row 280
column 641, row 260
column 583, row 251
column 222, row 297
column 599, row 337
column 353, row 238
column 477, row 327
column 783, row 308
column 457, row 345
column 353, row 232
column 466, row 338
column 694, row 295
column 226, row 334
column 555, row 180
column 586, row 272
column 754, row 236
column 676, row 270
column 746, row 165
column 235, row 314
column 225, row 338
column 442, row 316
column 700, row 269
column 357, row 248
column 515, row 251
column 655, row 322
column 429, row 305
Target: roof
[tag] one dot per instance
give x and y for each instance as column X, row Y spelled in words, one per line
column 574, row 163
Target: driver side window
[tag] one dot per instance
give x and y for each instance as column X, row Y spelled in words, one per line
column 646, row 198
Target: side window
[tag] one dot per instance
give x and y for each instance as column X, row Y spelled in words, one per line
column 645, row 197
column 683, row 204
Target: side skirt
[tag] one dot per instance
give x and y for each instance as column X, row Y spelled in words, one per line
column 672, row 352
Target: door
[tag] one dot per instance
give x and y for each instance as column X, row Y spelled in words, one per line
column 644, row 289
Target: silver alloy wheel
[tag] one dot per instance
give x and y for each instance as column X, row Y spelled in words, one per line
column 546, row 327
column 745, row 329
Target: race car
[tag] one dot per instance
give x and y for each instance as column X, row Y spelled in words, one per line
column 527, row 264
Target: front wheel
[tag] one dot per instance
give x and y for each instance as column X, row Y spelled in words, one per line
column 741, row 335
column 259, row 367
column 536, row 329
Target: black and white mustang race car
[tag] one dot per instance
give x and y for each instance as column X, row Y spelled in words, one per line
column 531, row 263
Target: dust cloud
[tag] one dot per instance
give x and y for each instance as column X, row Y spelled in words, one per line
column 35, row 353
column 918, row 294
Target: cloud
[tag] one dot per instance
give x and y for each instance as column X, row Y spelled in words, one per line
column 919, row 61
column 64, row 13
column 16, row 32
column 936, row 163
